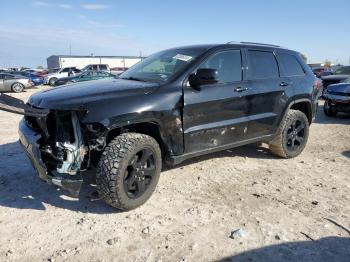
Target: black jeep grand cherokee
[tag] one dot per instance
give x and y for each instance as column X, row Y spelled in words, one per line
column 176, row 104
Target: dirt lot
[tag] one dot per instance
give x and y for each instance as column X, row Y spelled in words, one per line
column 297, row 209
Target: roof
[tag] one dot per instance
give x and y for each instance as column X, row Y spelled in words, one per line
column 89, row 56
column 235, row 44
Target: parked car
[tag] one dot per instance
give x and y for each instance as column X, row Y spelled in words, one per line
column 338, row 76
column 118, row 70
column 37, row 80
column 321, row 71
column 15, row 83
column 53, row 70
column 84, row 76
column 174, row 105
column 63, row 72
column 97, row 67
column 337, row 98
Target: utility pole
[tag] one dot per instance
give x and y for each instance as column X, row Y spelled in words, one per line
column 70, row 49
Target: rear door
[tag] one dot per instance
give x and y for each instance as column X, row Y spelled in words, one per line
column 267, row 92
column 216, row 115
column 2, row 87
column 293, row 70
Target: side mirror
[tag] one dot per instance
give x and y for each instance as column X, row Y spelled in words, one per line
column 203, row 76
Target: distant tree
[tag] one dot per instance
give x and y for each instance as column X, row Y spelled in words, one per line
column 39, row 67
column 327, row 63
column 304, row 57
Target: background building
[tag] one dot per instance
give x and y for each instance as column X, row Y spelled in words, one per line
column 59, row 61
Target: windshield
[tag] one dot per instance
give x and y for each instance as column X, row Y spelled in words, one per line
column 161, row 66
column 345, row 70
column 347, row 80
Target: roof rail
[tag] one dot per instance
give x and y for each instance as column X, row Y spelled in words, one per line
column 251, row 43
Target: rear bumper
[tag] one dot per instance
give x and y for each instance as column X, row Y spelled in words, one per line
column 29, row 139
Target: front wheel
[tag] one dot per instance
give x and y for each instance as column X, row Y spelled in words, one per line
column 329, row 110
column 17, row 87
column 292, row 135
column 129, row 170
column 52, row 81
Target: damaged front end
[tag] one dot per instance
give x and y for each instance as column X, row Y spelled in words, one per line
column 56, row 142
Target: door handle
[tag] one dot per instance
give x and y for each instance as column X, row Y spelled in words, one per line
column 284, row 84
column 240, row 89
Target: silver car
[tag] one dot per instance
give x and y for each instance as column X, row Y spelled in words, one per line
column 15, row 83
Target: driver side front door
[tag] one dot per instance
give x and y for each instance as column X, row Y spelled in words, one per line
column 216, row 115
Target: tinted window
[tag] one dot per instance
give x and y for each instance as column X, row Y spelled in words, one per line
column 345, row 70
column 66, row 70
column 262, row 65
column 94, row 67
column 228, row 64
column 103, row 67
column 291, row 66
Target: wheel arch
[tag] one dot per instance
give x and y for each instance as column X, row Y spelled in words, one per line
column 303, row 105
column 152, row 128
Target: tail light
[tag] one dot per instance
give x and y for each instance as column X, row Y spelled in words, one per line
column 318, row 84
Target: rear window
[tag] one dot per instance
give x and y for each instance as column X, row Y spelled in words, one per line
column 263, row 65
column 291, row 66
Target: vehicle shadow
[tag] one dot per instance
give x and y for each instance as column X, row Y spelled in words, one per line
column 21, row 188
column 327, row 249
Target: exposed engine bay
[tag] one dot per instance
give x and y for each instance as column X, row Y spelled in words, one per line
column 67, row 146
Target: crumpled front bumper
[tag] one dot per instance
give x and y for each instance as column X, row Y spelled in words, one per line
column 29, row 139
column 337, row 98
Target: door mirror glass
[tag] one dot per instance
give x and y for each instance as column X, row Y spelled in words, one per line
column 203, row 76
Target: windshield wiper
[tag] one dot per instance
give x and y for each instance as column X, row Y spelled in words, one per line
column 132, row 78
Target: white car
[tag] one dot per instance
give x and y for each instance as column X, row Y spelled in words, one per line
column 63, row 72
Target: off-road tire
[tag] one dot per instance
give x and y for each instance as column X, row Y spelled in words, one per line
column 278, row 145
column 111, row 170
column 329, row 110
column 52, row 81
column 17, row 87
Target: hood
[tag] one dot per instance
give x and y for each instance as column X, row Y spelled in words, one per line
column 339, row 88
column 84, row 94
column 335, row 77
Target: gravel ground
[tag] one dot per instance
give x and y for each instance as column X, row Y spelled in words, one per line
column 242, row 204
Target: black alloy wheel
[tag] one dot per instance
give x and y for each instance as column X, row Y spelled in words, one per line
column 295, row 135
column 129, row 170
column 139, row 173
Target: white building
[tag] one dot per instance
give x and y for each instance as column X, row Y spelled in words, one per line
column 122, row 62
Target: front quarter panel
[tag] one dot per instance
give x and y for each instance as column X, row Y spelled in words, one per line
column 161, row 107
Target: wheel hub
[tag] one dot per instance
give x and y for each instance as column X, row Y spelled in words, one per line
column 139, row 173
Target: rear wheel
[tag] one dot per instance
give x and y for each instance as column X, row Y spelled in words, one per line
column 329, row 110
column 17, row 87
column 129, row 170
column 52, row 81
column 292, row 135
